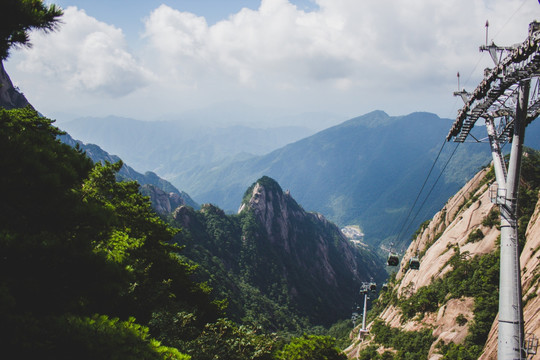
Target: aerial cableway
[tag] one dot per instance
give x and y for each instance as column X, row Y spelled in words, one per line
column 505, row 102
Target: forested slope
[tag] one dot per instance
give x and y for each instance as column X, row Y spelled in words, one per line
column 85, row 262
column 281, row 268
column 88, row 268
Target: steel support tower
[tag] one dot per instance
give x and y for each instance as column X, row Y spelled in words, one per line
column 505, row 102
column 365, row 290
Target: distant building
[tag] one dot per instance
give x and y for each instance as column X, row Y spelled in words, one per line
column 354, row 234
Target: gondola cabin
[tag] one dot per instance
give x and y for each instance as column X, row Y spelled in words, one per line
column 373, row 287
column 414, row 263
column 384, row 286
column 363, row 291
column 393, row 259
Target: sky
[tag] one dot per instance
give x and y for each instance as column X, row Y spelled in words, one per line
column 262, row 62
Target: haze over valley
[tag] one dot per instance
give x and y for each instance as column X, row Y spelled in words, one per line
column 269, row 180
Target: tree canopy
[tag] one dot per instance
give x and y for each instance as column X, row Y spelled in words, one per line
column 19, row 17
column 85, row 263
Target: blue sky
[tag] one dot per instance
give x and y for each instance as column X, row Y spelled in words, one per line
column 262, row 62
column 126, row 13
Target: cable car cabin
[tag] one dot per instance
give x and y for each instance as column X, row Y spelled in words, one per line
column 373, row 287
column 384, row 286
column 414, row 263
column 393, row 259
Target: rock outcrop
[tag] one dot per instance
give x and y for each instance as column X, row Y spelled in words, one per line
column 162, row 202
column 296, row 258
column 467, row 227
column 288, row 226
column 10, row 97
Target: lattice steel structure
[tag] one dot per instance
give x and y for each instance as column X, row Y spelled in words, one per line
column 505, row 102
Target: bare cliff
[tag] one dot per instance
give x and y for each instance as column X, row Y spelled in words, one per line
column 10, row 97
column 452, row 299
column 303, row 235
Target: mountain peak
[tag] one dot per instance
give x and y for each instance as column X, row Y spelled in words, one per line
column 10, row 97
column 271, row 206
column 262, row 190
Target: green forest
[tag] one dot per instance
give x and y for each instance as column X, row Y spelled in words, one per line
column 89, row 271
column 88, row 268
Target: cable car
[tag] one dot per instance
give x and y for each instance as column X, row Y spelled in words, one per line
column 385, row 286
column 373, row 287
column 393, row 259
column 363, row 291
column 414, row 263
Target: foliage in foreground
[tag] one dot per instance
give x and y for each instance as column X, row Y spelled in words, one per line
column 19, row 17
column 76, row 243
column 88, row 268
column 408, row 345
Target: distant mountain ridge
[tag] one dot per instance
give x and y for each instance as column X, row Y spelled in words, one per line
column 176, row 149
column 163, row 195
column 365, row 171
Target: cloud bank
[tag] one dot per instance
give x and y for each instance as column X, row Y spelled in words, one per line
column 346, row 56
column 86, row 55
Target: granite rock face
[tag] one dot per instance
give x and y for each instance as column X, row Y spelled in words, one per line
column 10, row 97
column 436, row 243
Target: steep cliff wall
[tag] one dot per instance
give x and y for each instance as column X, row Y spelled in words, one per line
column 305, row 236
column 10, row 97
column 457, row 244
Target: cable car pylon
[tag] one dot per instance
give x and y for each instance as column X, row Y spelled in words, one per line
column 504, row 101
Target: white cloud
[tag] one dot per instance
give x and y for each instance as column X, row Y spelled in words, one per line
column 274, row 42
column 343, row 45
column 345, row 56
column 85, row 55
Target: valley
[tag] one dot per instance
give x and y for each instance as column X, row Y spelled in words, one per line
column 199, row 237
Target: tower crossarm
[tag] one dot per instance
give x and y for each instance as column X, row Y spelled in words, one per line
column 496, row 93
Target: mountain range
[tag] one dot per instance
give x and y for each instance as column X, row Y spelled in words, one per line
column 163, row 195
column 366, row 171
column 176, row 149
column 279, row 267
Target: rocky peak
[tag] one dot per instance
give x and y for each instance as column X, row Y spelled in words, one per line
column 288, row 254
column 162, row 202
column 184, row 216
column 272, row 207
column 303, row 235
column 10, row 97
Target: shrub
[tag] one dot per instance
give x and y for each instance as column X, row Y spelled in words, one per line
column 475, row 235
